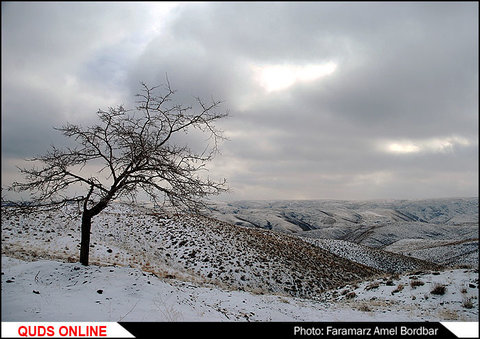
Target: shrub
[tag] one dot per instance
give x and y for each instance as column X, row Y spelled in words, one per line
column 372, row 285
column 439, row 289
column 415, row 283
column 398, row 289
column 467, row 303
column 364, row 308
column 351, row 295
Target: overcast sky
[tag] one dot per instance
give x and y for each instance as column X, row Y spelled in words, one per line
column 326, row 100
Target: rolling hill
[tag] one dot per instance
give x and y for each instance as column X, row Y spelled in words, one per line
column 150, row 265
column 443, row 231
column 191, row 248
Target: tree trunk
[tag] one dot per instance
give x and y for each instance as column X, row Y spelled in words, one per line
column 85, row 241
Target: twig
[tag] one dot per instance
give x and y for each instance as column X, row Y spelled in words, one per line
column 130, row 310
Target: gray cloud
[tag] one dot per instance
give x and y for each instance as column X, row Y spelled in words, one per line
column 406, row 75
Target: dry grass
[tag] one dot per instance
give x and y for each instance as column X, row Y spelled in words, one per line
column 372, row 286
column 439, row 289
column 447, row 314
column 415, row 283
column 350, row 295
column 399, row 288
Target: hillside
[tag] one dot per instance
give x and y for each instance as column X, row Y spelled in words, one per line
column 149, row 266
column 385, row 261
column 191, row 248
column 47, row 290
column 444, row 231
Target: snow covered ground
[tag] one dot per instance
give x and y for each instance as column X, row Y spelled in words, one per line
column 189, row 248
column 147, row 266
column 48, row 290
column 372, row 257
column 444, row 231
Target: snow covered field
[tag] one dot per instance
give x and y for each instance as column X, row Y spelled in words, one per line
column 48, row 290
column 147, row 266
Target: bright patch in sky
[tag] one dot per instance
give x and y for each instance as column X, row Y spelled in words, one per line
column 279, row 77
column 403, row 148
column 428, row 145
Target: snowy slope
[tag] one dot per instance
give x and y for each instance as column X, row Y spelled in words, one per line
column 55, row 291
column 191, row 248
column 444, row 252
column 146, row 265
column 306, row 215
column 388, row 224
column 382, row 260
column 450, row 294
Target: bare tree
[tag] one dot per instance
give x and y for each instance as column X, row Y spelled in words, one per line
column 136, row 152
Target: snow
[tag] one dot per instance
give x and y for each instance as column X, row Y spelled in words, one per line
column 188, row 248
column 372, row 257
column 448, row 252
column 146, row 266
column 448, row 227
column 48, row 290
column 414, row 292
